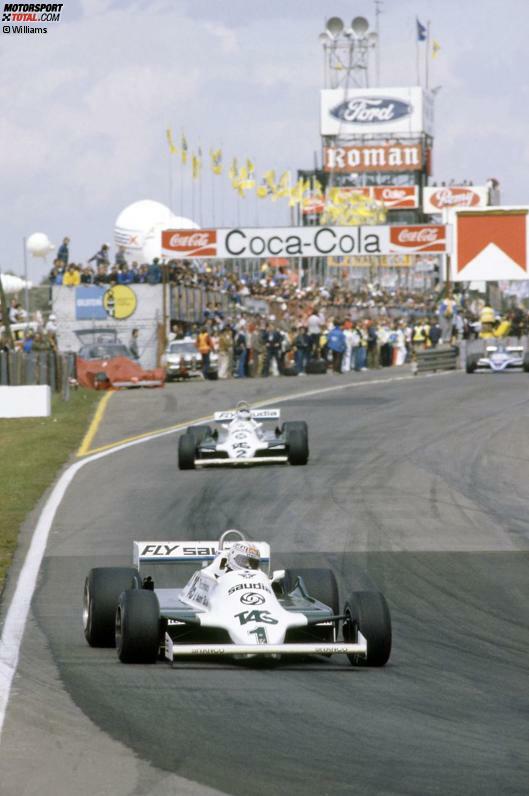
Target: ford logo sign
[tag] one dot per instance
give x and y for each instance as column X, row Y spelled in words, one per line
column 371, row 110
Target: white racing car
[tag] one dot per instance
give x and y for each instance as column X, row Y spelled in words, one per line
column 241, row 439
column 230, row 606
column 499, row 358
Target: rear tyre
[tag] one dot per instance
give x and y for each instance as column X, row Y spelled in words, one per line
column 368, row 612
column 138, row 627
column 471, row 363
column 102, row 588
column 186, row 452
column 318, row 583
column 298, row 446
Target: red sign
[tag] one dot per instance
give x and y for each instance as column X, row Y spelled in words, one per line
column 373, row 157
column 504, row 230
column 446, row 197
column 396, row 197
column 190, row 242
column 423, row 238
column 313, row 205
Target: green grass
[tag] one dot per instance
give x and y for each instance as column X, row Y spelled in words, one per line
column 32, row 451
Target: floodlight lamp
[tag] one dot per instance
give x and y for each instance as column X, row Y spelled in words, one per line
column 324, row 37
column 334, row 27
column 360, row 26
column 372, row 37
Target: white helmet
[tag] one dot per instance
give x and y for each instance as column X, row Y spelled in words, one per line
column 243, row 411
column 243, row 555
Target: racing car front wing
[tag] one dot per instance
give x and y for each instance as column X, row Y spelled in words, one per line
column 237, row 462
column 173, row 650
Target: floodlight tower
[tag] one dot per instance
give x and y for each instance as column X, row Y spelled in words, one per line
column 346, row 53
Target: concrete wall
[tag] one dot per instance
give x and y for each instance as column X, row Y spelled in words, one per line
column 34, row 401
column 146, row 317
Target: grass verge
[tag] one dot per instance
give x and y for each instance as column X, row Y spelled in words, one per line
column 32, row 451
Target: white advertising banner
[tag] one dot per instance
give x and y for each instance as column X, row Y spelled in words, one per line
column 446, row 197
column 264, row 242
column 368, row 111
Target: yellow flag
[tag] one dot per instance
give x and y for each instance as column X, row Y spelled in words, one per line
column 270, row 178
column 233, row 172
column 196, row 165
column 169, row 134
column 216, row 161
column 435, row 48
column 250, row 166
column 262, row 191
column 183, row 145
column 283, row 186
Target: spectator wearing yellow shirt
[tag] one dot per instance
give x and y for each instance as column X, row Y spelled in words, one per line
column 71, row 277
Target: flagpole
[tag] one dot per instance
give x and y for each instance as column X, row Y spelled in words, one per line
column 181, row 188
column 427, row 52
column 212, row 198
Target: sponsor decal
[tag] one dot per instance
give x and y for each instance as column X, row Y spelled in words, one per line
column 252, row 598
column 254, row 586
column 169, row 550
column 397, row 197
column 248, row 575
column 438, row 199
column 256, row 616
column 491, row 244
column 427, row 238
column 190, row 243
column 375, row 157
column 366, row 110
column 99, row 303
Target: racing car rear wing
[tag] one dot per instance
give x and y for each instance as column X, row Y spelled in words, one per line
column 187, row 552
column 256, row 414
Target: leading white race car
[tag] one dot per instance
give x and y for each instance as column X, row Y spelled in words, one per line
column 499, row 358
column 231, row 606
column 241, row 439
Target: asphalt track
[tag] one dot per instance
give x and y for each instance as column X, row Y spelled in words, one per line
column 419, row 486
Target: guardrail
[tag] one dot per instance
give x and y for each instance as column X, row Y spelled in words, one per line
column 40, row 367
column 443, row 357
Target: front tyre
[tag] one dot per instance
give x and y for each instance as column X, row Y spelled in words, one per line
column 102, row 588
column 297, row 446
column 186, row 452
column 138, row 626
column 368, row 612
column 471, row 363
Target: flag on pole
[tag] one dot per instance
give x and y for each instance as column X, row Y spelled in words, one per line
column 196, row 165
column 169, row 134
column 233, row 171
column 216, row 161
column 435, row 48
column 421, row 31
column 183, row 145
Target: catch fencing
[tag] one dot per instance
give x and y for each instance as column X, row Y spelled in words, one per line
column 189, row 303
column 18, row 368
column 443, row 357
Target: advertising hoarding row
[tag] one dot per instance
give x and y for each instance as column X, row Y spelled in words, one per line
column 372, row 111
column 393, row 197
column 239, row 243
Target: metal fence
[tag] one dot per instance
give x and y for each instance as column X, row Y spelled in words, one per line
column 41, row 367
column 443, row 357
column 189, row 303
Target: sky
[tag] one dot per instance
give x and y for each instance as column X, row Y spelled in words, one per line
column 86, row 106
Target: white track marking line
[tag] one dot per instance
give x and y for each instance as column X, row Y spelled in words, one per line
column 18, row 611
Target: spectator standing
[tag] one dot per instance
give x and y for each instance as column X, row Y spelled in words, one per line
column 205, row 347
column 273, row 340
column 303, row 345
column 348, row 353
column 225, row 353
column 336, row 344
column 133, row 344
column 372, row 346
column 102, row 257
column 241, row 351
column 63, row 253
column 120, row 258
column 435, row 333
column 314, row 324
column 72, row 277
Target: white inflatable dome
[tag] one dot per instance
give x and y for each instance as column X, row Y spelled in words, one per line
column 12, row 283
column 138, row 228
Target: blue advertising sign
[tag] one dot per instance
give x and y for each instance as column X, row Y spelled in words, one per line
column 89, row 303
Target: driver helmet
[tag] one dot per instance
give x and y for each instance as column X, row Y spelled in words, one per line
column 243, row 412
column 243, row 556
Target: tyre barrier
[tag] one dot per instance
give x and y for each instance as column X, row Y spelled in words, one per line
column 443, row 357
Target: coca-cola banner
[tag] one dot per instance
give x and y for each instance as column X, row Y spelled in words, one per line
column 265, row 242
column 435, row 200
column 364, row 111
column 396, row 197
column 373, row 157
column 190, row 243
column 418, row 238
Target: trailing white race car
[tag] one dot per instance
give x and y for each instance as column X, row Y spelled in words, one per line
column 499, row 358
column 241, row 439
column 231, row 606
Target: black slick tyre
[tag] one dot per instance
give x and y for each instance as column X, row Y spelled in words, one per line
column 320, row 584
column 368, row 612
column 186, row 452
column 137, row 626
column 102, row 588
column 297, row 446
column 295, row 425
column 471, row 363
column 199, row 433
